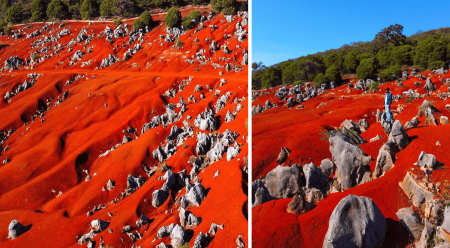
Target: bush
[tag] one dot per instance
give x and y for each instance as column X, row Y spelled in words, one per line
column 58, row 10
column 107, row 8
column 225, row 6
column 321, row 79
column 74, row 11
column 366, row 69
column 137, row 24
column 177, row 2
column 179, row 43
column 146, row 19
column 188, row 20
column 117, row 21
column 173, row 17
column 374, row 86
column 14, row 13
column 8, row 29
column 89, row 9
column 37, row 11
column 158, row 3
column 388, row 74
column 333, row 74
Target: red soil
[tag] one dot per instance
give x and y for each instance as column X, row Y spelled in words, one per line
column 299, row 130
column 43, row 154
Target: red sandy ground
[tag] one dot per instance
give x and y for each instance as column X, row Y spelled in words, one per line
column 299, row 130
column 43, row 154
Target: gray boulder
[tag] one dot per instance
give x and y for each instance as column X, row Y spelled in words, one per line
column 284, row 182
column 356, row 222
column 327, row 167
column 284, row 154
column 349, row 160
column 398, row 136
column 314, row 176
column 429, row 86
column 15, row 229
column 428, row 161
column 260, row 193
column 430, row 119
column 410, row 221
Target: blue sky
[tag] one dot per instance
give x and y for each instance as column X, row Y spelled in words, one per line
column 287, row 29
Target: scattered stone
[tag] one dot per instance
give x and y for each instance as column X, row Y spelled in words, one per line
column 298, row 205
column 15, row 229
column 284, row 154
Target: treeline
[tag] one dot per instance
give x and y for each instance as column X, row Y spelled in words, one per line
column 23, row 11
column 385, row 56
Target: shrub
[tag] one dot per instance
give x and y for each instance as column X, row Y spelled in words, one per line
column 271, row 77
column 89, row 9
column 137, row 24
column 35, row 56
column 74, row 11
column 158, row 3
column 117, row 21
column 188, row 20
column 321, row 79
column 410, row 99
column 374, row 86
column 125, row 8
column 225, row 6
column 57, row 9
column 173, row 17
column 177, row 2
column 8, row 29
column 37, row 11
column 107, row 8
column 14, row 13
column 388, row 74
column 333, row 74
column 179, row 43
column 146, row 19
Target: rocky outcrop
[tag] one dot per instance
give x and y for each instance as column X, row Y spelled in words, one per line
column 349, row 160
column 15, row 229
column 418, row 194
column 428, row 161
column 410, row 221
column 284, row 182
column 314, row 176
column 260, row 193
column 298, row 205
column 356, row 222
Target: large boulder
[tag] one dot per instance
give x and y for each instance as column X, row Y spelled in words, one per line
column 418, row 194
column 429, row 86
column 410, row 221
column 15, row 229
column 260, row 193
column 356, row 222
column 398, row 136
column 428, row 161
column 314, row 176
column 385, row 161
column 349, row 160
column 284, row 182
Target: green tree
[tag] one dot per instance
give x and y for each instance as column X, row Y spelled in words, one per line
column 333, row 74
column 107, row 8
column 37, row 11
column 271, row 78
column 89, row 9
column 125, row 8
column 431, row 52
column 137, row 24
column 58, row 10
column 173, row 17
column 225, row 6
column 14, row 13
column 392, row 34
column 158, row 3
column 196, row 2
column 146, row 19
column 192, row 19
column 320, row 79
column 367, row 68
column 351, row 62
column 391, row 73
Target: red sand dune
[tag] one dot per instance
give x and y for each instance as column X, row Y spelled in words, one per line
column 49, row 157
column 298, row 129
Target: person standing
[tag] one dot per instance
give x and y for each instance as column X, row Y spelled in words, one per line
column 387, row 105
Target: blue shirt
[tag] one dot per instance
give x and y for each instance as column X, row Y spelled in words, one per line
column 388, row 98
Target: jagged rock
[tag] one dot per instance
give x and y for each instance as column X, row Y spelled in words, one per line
column 174, row 132
column 232, row 152
column 430, row 119
column 363, row 125
column 298, row 205
column 134, row 183
column 429, row 86
column 327, row 167
column 110, row 185
column 410, row 221
column 378, row 115
column 257, row 109
column 349, row 160
column 188, row 220
column 269, row 105
column 413, row 123
column 214, row 227
column 387, row 126
column 142, row 221
column 428, row 161
column 260, row 193
column 385, row 161
column 203, row 143
column 314, row 196
column 418, row 194
column 99, row 225
column 376, row 138
column 284, row 182
column 284, row 154
column 194, row 196
column 200, row 241
column 356, row 222
column 15, row 229
column 215, row 154
column 398, row 136
column 206, row 121
column 159, row 196
column 229, row 117
column 425, row 235
column 86, row 237
column 239, row 242
column 13, row 62
column 314, row 176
